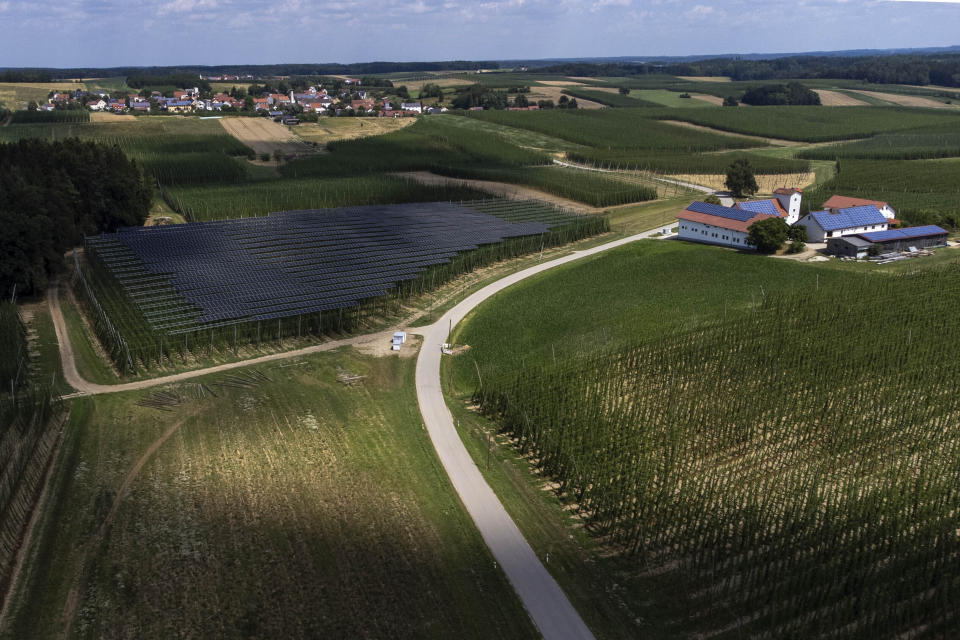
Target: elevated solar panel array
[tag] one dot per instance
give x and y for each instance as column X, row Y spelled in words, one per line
column 731, row 213
column 199, row 275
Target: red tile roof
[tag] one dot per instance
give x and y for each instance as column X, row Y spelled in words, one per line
column 722, row 223
column 786, row 192
column 842, row 202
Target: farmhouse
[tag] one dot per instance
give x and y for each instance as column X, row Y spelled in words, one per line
column 835, row 203
column 715, row 224
column 842, row 222
column 411, row 106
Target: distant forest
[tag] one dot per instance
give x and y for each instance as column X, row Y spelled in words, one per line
column 258, row 70
column 52, row 194
column 939, row 69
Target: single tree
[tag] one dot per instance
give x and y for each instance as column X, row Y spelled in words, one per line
column 798, row 233
column 624, row 91
column 731, row 101
column 768, row 235
column 740, row 178
column 521, row 101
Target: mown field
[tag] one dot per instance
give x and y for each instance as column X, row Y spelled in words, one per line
column 295, row 507
column 614, row 411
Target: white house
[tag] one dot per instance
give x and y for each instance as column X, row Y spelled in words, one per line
column 98, row 105
column 842, row 222
column 785, row 204
column 715, row 224
column 835, row 203
column 789, row 199
column 411, row 106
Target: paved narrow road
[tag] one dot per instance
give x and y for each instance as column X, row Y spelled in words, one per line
column 546, row 603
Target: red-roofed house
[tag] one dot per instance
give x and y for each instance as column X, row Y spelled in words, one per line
column 716, row 224
column 261, row 103
column 835, row 203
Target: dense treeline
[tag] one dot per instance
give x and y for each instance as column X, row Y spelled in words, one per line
column 792, row 93
column 258, row 70
column 55, row 193
column 792, row 490
column 26, row 76
column 939, row 69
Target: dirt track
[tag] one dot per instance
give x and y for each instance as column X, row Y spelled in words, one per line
column 774, row 141
column 265, row 136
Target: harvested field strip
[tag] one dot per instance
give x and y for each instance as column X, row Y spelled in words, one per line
column 905, row 100
column 836, row 99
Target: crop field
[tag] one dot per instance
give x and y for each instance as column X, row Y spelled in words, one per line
column 263, row 135
column 816, row 124
column 922, row 191
column 664, row 98
column 336, row 129
column 281, row 503
column 608, row 98
column 29, row 412
column 929, row 142
column 637, row 292
column 617, row 128
column 16, row 95
column 592, row 188
column 787, row 477
column 174, row 292
column 46, row 117
column 679, row 163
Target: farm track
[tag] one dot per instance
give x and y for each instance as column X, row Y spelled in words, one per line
column 543, row 598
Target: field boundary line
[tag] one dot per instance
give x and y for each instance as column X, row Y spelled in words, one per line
column 547, row 605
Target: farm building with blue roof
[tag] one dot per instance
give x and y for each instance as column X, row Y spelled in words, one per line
column 716, row 224
column 822, row 225
column 905, row 239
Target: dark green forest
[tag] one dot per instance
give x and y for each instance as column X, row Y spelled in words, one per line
column 52, row 194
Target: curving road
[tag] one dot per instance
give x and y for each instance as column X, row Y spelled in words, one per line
column 546, row 603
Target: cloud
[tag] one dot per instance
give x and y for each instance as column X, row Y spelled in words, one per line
column 4, row 6
column 600, row 4
column 186, row 6
column 702, row 12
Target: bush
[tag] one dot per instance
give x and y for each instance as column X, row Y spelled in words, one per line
column 796, row 247
column 768, row 235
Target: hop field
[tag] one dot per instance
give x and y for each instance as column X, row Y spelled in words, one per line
column 816, row 124
column 793, row 489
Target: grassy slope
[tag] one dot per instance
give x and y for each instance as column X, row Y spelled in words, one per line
column 631, row 293
column 300, row 508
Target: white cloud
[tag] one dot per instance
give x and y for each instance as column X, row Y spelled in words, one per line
column 600, row 4
column 701, row 12
column 185, row 6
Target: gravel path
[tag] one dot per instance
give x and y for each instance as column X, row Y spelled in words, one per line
column 546, row 603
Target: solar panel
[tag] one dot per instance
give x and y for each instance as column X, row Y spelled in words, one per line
column 849, row 218
column 198, row 275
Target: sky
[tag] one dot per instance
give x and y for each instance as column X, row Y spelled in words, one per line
column 105, row 33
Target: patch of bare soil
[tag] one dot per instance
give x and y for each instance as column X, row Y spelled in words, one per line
column 554, row 93
column 906, row 101
column 561, row 83
column 265, row 136
column 106, row 116
column 500, row 189
column 836, row 99
column 717, row 100
column 766, row 183
column 774, row 141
